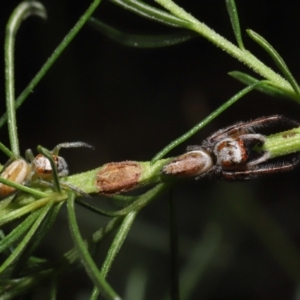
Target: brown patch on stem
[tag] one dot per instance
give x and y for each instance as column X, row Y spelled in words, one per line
column 115, row 178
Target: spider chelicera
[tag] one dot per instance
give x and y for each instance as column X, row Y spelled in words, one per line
column 22, row 172
column 228, row 154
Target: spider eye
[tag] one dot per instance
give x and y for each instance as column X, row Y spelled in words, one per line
column 17, row 172
column 192, row 163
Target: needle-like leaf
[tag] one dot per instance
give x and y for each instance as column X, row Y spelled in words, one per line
column 235, row 23
column 142, row 41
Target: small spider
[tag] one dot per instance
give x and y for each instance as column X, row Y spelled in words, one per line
column 228, row 153
column 22, row 172
column 41, row 166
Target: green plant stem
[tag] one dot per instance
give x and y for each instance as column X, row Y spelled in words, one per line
column 283, row 143
column 242, row 55
column 23, row 10
column 56, row 53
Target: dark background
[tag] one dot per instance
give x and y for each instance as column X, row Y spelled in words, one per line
column 130, row 103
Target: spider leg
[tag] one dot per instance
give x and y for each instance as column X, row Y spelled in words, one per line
column 213, row 172
column 252, row 138
column 259, row 171
column 71, row 145
column 242, row 128
column 270, row 120
column 265, row 156
column 235, row 130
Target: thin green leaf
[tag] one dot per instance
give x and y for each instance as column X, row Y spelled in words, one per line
column 15, row 234
column 97, row 210
column 7, row 251
column 5, row 202
column 150, row 12
column 204, row 122
column 22, row 246
column 72, row 256
column 37, row 238
column 37, row 260
column 235, row 23
column 276, row 58
column 56, row 53
column 6, row 151
column 118, row 241
column 127, row 222
column 142, row 41
column 87, row 261
column 23, row 188
column 22, row 11
column 266, row 88
column 124, row 198
column 95, row 293
column 53, row 290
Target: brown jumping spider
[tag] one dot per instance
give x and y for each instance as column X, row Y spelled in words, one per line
column 228, row 153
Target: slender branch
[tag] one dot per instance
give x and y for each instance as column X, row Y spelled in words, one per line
column 23, row 10
column 56, row 53
column 242, row 55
